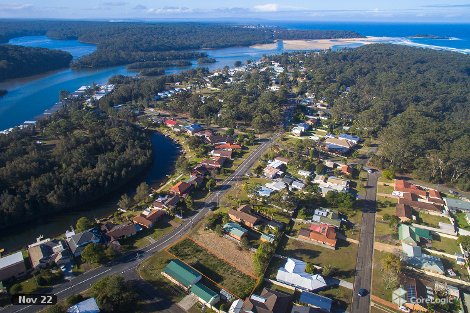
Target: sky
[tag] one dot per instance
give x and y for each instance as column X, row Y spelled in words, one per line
column 445, row 11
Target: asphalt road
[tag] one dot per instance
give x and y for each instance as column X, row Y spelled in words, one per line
column 365, row 250
column 127, row 265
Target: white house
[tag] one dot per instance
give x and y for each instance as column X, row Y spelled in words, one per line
column 293, row 273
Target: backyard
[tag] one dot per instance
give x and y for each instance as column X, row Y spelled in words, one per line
column 227, row 276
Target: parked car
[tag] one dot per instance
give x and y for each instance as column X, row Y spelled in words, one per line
column 404, row 309
column 362, row 292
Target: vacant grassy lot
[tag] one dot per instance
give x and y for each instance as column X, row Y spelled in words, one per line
column 225, row 249
column 386, row 206
column 385, row 189
column 160, row 229
column 444, row 244
column 238, row 194
column 343, row 258
column 343, row 297
column 378, row 288
column 214, row 268
column 384, row 233
column 431, row 220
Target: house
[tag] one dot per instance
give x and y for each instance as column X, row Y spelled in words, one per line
column 148, row 219
column 435, row 197
column 219, row 140
column 322, row 233
column 236, row 306
column 271, row 172
column 415, row 258
column 181, row 188
column 121, row 231
column 419, row 204
column 269, row 301
column 276, row 186
column 297, row 185
column 181, row 274
column 326, row 216
column 351, row 138
column 171, row 123
column 78, row 242
column 412, row 235
column 86, row 306
column 243, row 215
column 399, row 296
column 222, row 153
column 49, row 251
column 265, row 192
column 303, row 127
column 277, row 164
column 195, row 181
column 12, row 266
column 402, row 187
column 331, row 184
column 346, row 170
column 234, row 230
column 337, row 145
column 316, row 301
column 293, row 273
column 305, row 174
column 228, row 146
column 267, row 238
column 204, row 294
column 404, row 212
column 217, row 162
column 282, row 160
column 193, row 129
column 455, row 205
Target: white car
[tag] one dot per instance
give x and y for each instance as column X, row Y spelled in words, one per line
column 404, row 309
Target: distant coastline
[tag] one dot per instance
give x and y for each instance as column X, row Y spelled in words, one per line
column 428, row 36
column 319, row 44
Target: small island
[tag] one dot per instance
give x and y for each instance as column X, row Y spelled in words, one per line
column 206, row 60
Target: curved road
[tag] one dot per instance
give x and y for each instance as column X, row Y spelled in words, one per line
column 127, row 265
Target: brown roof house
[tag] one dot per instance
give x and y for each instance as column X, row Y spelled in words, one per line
column 321, row 233
column 269, row 301
column 217, row 162
column 148, row 218
column 120, row 231
column 243, row 215
column 49, row 251
column 404, row 212
column 182, row 188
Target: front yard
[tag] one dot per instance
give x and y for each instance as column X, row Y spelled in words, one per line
column 431, row 220
column 444, row 244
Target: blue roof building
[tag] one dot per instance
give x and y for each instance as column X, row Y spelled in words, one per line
column 235, row 230
column 351, row 138
column 193, row 128
column 316, row 301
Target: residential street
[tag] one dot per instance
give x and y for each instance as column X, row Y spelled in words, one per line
column 366, row 248
column 127, row 265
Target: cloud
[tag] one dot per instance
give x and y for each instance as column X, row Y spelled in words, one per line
column 170, row 10
column 115, row 3
column 447, row 5
column 268, row 7
column 15, row 6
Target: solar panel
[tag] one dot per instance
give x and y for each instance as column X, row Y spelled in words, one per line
column 411, row 292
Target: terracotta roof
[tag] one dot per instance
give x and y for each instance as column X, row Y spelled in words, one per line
column 404, row 186
column 403, row 210
column 434, row 194
column 171, row 122
column 139, row 219
column 228, row 146
column 216, row 162
column 324, row 233
column 181, row 188
column 419, row 205
column 155, row 215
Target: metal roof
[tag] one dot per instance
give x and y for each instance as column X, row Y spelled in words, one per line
column 11, row 259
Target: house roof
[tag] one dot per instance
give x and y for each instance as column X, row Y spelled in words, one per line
column 182, row 273
column 434, row 194
column 455, row 204
column 228, row 146
column 315, row 300
column 141, row 220
column 339, row 142
column 404, row 186
column 269, row 301
column 11, row 259
column 419, row 205
column 171, row 122
column 203, row 292
column 403, row 210
column 406, row 232
column 86, row 306
column 83, row 238
column 235, row 229
column 222, row 153
column 181, row 187
column 427, row 262
column 349, row 137
column 243, row 214
column 121, row 230
column 282, row 160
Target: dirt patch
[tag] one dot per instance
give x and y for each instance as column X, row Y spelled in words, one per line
column 225, row 249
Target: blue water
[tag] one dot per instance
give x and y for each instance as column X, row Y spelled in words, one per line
column 459, row 33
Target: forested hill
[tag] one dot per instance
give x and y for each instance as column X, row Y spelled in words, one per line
column 417, row 101
column 124, row 43
column 17, row 61
column 75, row 157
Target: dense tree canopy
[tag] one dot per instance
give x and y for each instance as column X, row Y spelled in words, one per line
column 416, row 101
column 75, row 157
column 17, row 61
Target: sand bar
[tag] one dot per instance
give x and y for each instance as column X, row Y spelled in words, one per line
column 321, row 44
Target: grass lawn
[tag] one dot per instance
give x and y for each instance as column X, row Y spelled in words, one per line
column 460, row 270
column 385, row 189
column 343, row 258
column 384, row 233
column 160, row 229
column 386, row 206
column 342, row 295
column 214, row 268
column 431, row 220
column 238, row 193
column 378, row 288
column 444, row 244
column 461, row 220
column 150, row 271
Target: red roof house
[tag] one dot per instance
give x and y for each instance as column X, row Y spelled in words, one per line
column 405, row 187
column 181, row 188
column 171, row 123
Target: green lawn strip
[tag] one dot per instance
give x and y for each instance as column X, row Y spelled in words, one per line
column 384, row 233
column 343, row 259
column 343, row 297
column 460, row 270
column 385, row 189
column 462, row 220
column 140, row 240
column 386, row 206
column 214, row 268
column 444, row 244
column 431, row 220
column 378, row 288
column 150, row 270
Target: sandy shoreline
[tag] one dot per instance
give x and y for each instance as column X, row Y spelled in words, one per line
column 319, row 44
